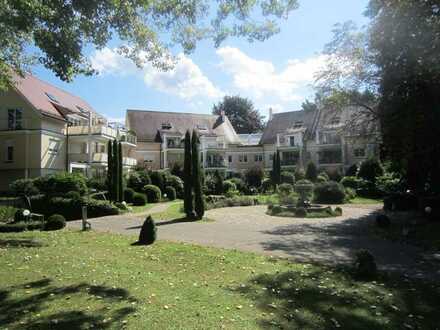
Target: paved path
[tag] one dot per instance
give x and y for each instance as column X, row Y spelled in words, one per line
column 328, row 241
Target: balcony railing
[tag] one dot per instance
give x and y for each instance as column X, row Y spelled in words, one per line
column 94, row 130
column 128, row 161
column 216, row 164
column 129, row 138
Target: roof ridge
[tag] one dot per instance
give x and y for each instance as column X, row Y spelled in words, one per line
column 172, row 112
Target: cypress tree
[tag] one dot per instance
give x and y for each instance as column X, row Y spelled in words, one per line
column 110, row 169
column 187, row 198
column 115, row 171
column 120, row 174
column 278, row 168
column 199, row 205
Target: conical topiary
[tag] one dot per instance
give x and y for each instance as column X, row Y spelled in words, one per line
column 147, row 235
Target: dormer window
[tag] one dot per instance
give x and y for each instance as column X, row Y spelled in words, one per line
column 166, row 125
column 335, row 120
column 52, row 98
column 298, row 124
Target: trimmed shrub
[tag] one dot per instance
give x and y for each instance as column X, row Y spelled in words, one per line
column 231, row 202
column 352, row 170
column 19, row 216
column 98, row 184
column 301, row 212
column 158, row 179
column 351, row 182
column 177, row 169
column 266, row 185
column 383, row 221
column 289, row 199
column 324, row 174
column 73, row 195
column 148, row 232
column 176, row 183
column 138, row 180
column 128, row 195
column 364, row 265
column 389, row 183
column 55, row 222
column 60, row 183
column 97, row 209
column 171, row 193
column 299, row 174
column 285, row 189
column 287, row 177
column 334, row 175
column 7, row 213
column 139, row 199
column 13, row 227
column 350, row 194
column 239, row 184
column 276, row 209
column 122, row 206
column 254, row 176
column 228, row 185
column 338, row 211
column 153, row 193
column 23, row 187
column 329, row 192
column 370, row 169
column 311, row 171
column 321, row 179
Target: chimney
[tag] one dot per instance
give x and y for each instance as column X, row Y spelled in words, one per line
column 270, row 113
column 223, row 115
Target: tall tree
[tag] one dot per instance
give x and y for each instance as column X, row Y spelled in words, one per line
column 199, row 205
column 187, row 177
column 115, row 171
column 241, row 113
column 278, row 167
column 57, row 33
column 110, row 169
column 120, row 174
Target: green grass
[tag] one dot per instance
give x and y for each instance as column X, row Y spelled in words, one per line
column 363, row 200
column 141, row 209
column 174, row 213
column 76, row 280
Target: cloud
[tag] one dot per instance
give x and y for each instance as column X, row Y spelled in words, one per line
column 260, row 78
column 185, row 80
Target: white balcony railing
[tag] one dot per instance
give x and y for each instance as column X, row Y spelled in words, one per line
column 98, row 157
column 94, row 130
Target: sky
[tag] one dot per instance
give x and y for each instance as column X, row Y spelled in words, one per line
column 277, row 73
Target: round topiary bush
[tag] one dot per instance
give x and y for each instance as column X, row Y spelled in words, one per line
column 301, row 212
column 383, row 221
column 170, row 192
column 139, row 199
column 73, row 195
column 55, row 222
column 148, row 234
column 276, row 209
column 20, row 215
column 329, row 192
column 285, row 189
column 287, row 177
column 338, row 211
column 228, row 185
column 321, row 179
column 128, row 195
column 153, row 193
column 364, row 265
column 350, row 182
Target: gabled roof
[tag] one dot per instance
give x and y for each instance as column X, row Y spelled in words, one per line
column 283, row 121
column 147, row 124
column 48, row 99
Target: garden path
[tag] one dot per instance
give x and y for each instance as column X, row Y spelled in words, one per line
column 327, row 240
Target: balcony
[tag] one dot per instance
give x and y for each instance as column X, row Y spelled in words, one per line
column 128, row 138
column 100, row 130
column 128, row 161
column 216, row 164
column 98, row 157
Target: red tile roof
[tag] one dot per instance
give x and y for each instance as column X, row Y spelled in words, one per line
column 36, row 92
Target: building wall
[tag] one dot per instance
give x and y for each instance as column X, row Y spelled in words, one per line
column 147, row 154
column 238, row 153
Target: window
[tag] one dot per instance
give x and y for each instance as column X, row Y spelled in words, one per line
column 15, row 119
column 53, row 146
column 329, row 138
column 258, row 158
column 166, row 125
column 9, row 150
column 230, row 158
column 359, row 152
column 292, row 141
column 52, row 98
column 290, row 158
column 330, row 157
column 335, row 120
column 242, row 159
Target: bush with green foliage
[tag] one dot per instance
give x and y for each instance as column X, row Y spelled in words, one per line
column 55, row 222
column 329, row 193
column 338, row 211
column 285, row 189
column 324, row 174
column 321, row 179
column 20, row 226
column 99, row 184
column 254, row 176
column 122, row 206
column 350, row 194
column 300, row 212
column 266, row 185
column 139, row 199
column 7, row 213
column 128, row 195
column 158, row 179
column 176, row 183
column 148, row 232
column 287, row 177
column 389, row 183
column 311, row 171
column 352, row 170
column 232, row 201
column 299, row 174
column 276, row 209
column 351, row 182
column 177, row 169
column 153, row 193
column 370, row 169
column 364, row 265
column 170, row 192
column 19, row 215
column 73, row 195
column 138, row 180
column 60, row 183
column 288, row 199
column 228, row 185
column 22, row 187
column 240, row 185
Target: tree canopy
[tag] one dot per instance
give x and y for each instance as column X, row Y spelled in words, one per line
column 57, row 33
column 241, row 112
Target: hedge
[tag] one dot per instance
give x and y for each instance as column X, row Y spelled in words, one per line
column 153, row 193
column 139, row 199
column 329, row 192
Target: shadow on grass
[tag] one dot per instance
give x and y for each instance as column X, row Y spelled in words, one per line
column 329, row 298
column 19, row 243
column 18, row 308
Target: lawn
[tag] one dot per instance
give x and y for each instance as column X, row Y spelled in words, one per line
column 78, row 280
column 142, row 208
column 364, row 200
